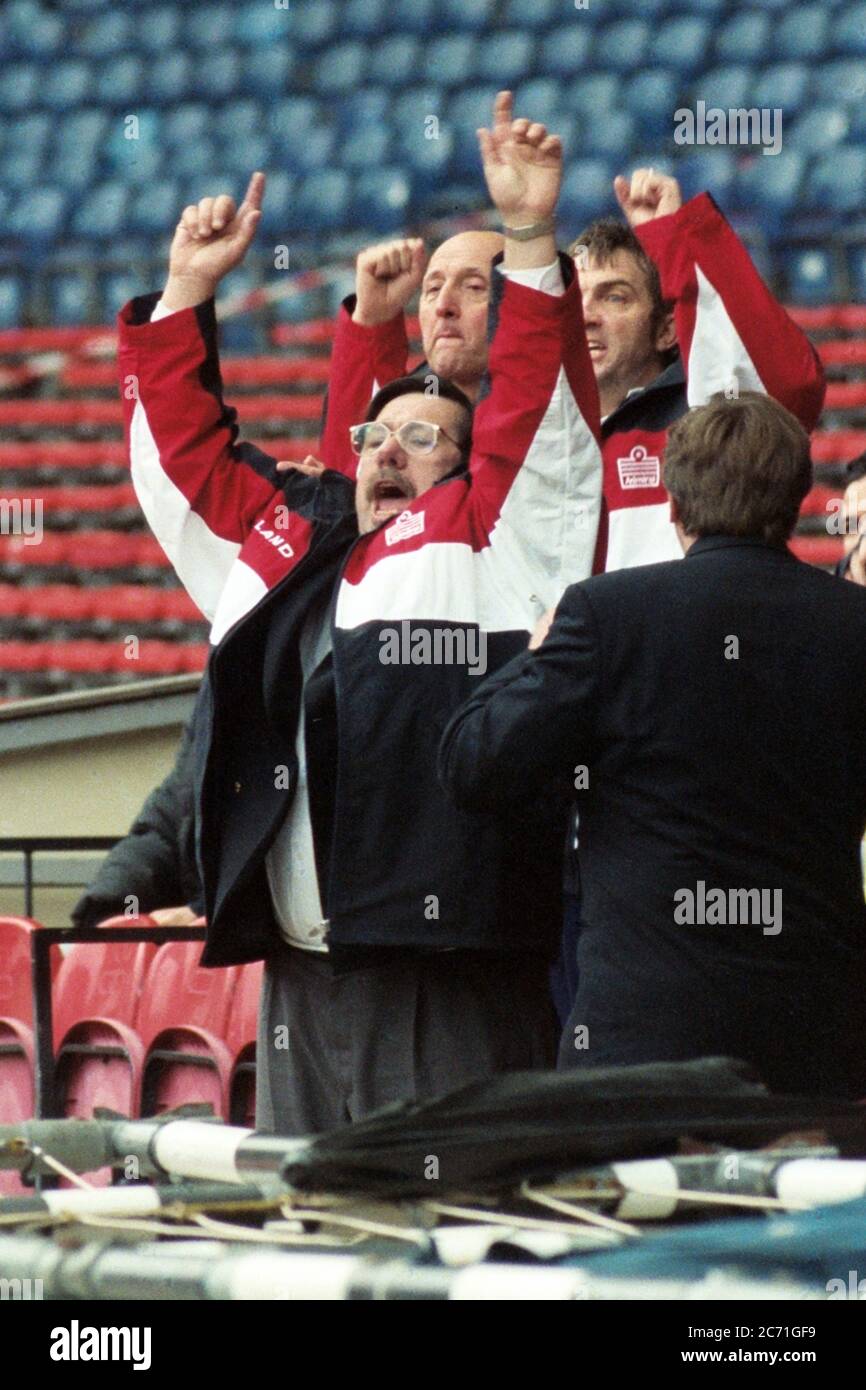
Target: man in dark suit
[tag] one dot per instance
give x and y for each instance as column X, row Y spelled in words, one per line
column 709, row 719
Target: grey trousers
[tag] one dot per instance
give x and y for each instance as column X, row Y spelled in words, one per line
column 333, row 1047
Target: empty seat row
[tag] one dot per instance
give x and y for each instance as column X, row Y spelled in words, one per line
column 119, row 603
column 129, row 655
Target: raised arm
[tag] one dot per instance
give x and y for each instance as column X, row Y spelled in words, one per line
column 200, row 490
column 733, row 334
column 370, row 345
column 536, row 463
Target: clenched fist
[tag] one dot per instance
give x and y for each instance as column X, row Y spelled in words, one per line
column 212, row 238
column 647, row 195
column 386, row 277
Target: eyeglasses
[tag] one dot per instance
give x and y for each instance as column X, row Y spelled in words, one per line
column 415, row 437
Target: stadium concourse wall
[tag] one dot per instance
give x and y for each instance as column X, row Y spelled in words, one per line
column 81, row 764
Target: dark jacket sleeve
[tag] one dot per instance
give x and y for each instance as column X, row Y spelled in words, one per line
column 527, row 728
column 154, row 863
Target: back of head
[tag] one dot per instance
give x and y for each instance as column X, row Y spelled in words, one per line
column 738, row 467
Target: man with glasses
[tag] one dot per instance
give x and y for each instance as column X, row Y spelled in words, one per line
column 407, row 945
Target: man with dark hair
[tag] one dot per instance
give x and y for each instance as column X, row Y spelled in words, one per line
column 407, row 946
column 711, row 719
column 674, row 311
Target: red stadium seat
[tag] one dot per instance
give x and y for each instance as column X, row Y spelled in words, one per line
column 17, row 1092
column 16, row 999
column 241, row 1041
column 183, row 1022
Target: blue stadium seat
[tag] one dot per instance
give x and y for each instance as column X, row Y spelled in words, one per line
column 727, row 86
column 819, row 128
column 769, row 184
column 307, row 155
column 208, row 26
column 239, row 118
column 314, row 22
column 249, row 152
column 367, row 108
column 186, row 123
column 415, row 17
column 37, row 33
column 708, row 171
column 11, row 301
column 393, row 61
column 449, row 60
column 20, row 170
column 155, row 210
column 587, row 192
column 857, row 271
column 708, row 7
column 323, row 202
column 623, row 45
column 365, row 148
column 541, row 14
column 365, row 18
column 341, row 68
column 468, row 14
column 540, row 98
column 594, row 95
column 810, row 275
column 262, row 26
column 192, row 163
column 842, row 79
column 645, row 9
column 114, row 291
column 217, row 74
column 565, row 51
column 427, row 159
column 784, row 86
column 836, row 180
column 681, row 42
column 651, row 97
column 30, row 134
column 505, row 57
column 267, row 71
column 381, row 200
column 848, row 31
column 39, row 217
column 107, row 34
column 161, row 33
column 169, row 78
column 614, row 136
column 292, row 117
column 119, row 83
column 101, row 216
column 469, row 110
column 65, row 85
column 744, row 38
column 70, row 300
column 277, row 205
column 802, row 33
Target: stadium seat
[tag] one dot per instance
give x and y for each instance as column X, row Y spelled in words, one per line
column 427, row 159
column 341, row 68
column 614, row 136
column 40, row 218
column 565, row 51
column 857, row 271
column 155, row 211
column 241, row 1042
column 809, row 275
column 783, row 86
column 542, row 96
column 836, row 180
column 278, row 203
column 366, row 148
column 162, row 32
column 587, row 192
column 267, row 71
column 186, row 124
column 313, row 22
column 11, row 301
column 818, row 129
column 292, row 118
column 244, row 153
column 541, row 14
column 803, row 32
column 681, row 42
column 848, row 30
column 169, row 78
column 182, row 1021
column 468, row 110
column 769, row 184
column 367, row 108
column 19, row 84
column 70, row 299
column 207, row 27
column 727, row 86
column 623, row 45
column 365, row 18
column 414, row 17
column 505, row 57
column 106, row 35
column 651, row 97
column 65, row 85
column 744, row 38
column 119, row 83
column 449, row 60
column 842, row 79
column 393, row 61
column 323, row 201
column 217, row 74
column 708, row 171
column 468, row 14
column 381, row 199
column 262, row 26
column 102, row 215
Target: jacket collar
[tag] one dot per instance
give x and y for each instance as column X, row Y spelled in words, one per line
column 705, row 543
column 673, row 377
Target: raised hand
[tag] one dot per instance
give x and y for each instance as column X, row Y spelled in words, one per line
column 522, row 165
column 211, row 238
column 386, row 277
column 647, row 195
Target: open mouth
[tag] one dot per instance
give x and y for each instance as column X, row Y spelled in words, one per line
column 389, row 499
